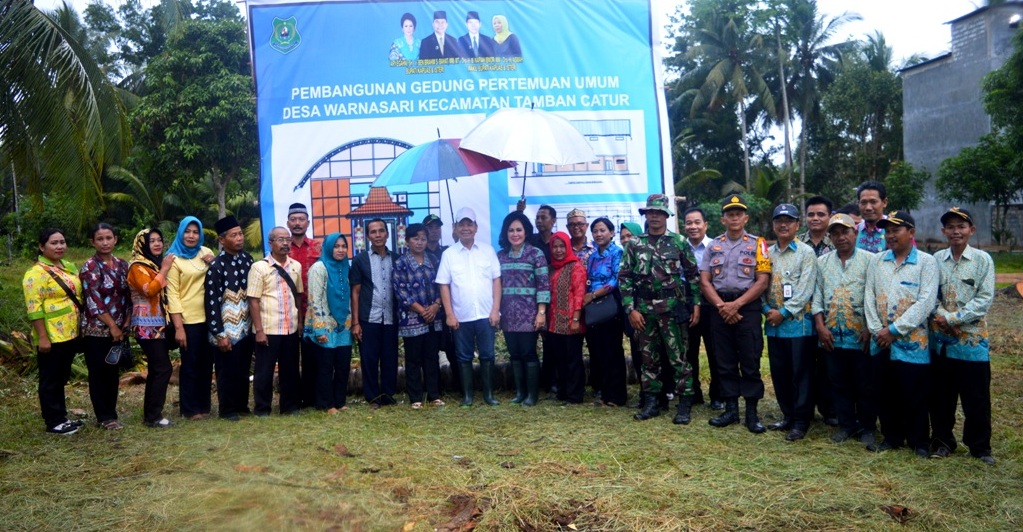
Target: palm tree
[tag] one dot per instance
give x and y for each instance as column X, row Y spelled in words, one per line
column 61, row 121
column 730, row 65
column 815, row 64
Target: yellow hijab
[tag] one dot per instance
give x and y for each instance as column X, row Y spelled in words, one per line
column 505, row 32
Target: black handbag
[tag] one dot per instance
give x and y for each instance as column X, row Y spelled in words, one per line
column 600, row 310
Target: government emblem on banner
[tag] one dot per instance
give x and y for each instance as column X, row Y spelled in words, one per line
column 285, row 37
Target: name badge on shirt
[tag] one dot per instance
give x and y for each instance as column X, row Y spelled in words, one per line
column 786, row 291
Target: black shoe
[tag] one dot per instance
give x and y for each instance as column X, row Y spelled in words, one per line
column 753, row 423
column 941, row 452
column 784, row 424
column 649, row 409
column 881, row 447
column 729, row 417
column 717, row 405
column 922, row 452
column 231, row 417
column 840, row 436
column 987, row 459
column 685, row 406
column 831, row 421
column 65, row 428
column 867, row 437
column 795, row 435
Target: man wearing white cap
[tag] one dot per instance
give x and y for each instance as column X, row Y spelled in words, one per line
column 470, row 289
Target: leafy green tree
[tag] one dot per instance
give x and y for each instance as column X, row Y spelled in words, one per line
column 61, row 121
column 905, row 185
column 991, row 171
column 730, row 61
column 198, row 116
column 1003, row 94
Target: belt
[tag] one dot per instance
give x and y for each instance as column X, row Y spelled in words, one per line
column 730, row 296
column 645, row 293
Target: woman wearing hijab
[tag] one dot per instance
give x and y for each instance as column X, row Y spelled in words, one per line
column 605, row 340
column 565, row 330
column 507, row 42
column 53, row 295
column 186, row 283
column 525, row 293
column 407, row 46
column 147, row 278
column 328, row 323
column 628, row 231
column 106, row 319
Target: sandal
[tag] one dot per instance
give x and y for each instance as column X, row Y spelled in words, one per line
column 417, row 405
column 438, row 402
column 112, row 424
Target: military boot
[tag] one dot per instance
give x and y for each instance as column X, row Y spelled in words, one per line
column 486, row 377
column 532, row 383
column 518, row 370
column 465, row 372
column 685, row 405
column 649, row 408
column 753, row 423
column 729, row 416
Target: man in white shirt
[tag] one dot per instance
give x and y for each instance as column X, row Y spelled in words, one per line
column 694, row 221
column 470, row 289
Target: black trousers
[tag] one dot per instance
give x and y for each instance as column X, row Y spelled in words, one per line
column 702, row 331
column 566, row 352
column 792, row 371
column 823, row 393
column 334, row 364
column 54, row 372
column 521, row 346
column 379, row 351
column 903, row 396
column 282, row 352
column 309, row 372
column 103, row 377
column 607, row 354
column 738, row 349
column 233, row 377
column 196, row 373
column 447, row 344
column 160, row 370
column 851, row 379
column 548, row 365
column 969, row 382
column 422, row 366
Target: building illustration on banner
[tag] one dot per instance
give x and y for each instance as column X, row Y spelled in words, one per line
column 342, row 199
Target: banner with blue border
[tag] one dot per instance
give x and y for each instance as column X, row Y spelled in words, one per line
column 344, row 87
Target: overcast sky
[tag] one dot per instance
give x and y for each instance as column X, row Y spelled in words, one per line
column 909, row 26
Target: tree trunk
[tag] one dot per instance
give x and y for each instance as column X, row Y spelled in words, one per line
column 220, row 188
column 802, row 159
column 745, row 143
column 785, row 117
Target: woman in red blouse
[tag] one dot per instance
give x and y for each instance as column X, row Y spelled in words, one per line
column 564, row 325
column 106, row 321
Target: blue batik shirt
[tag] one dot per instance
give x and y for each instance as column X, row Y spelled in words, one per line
column 794, row 266
column 964, row 299
column 901, row 297
column 839, row 296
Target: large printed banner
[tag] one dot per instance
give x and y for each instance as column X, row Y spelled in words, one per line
column 344, row 87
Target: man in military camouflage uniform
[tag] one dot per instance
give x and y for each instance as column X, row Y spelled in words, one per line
column 651, row 291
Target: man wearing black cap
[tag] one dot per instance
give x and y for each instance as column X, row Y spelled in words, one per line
column 735, row 271
column 474, row 43
column 959, row 345
column 228, row 320
column 791, row 340
column 434, row 249
column 439, row 44
column 306, row 251
column 901, row 292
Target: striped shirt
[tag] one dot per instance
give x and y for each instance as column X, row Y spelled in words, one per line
column 277, row 305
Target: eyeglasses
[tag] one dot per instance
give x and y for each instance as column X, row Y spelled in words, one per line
column 577, row 224
column 280, row 240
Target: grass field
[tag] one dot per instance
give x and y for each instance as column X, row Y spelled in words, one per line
column 550, row 467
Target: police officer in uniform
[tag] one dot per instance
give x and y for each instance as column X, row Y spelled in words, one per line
column 735, row 271
column 655, row 303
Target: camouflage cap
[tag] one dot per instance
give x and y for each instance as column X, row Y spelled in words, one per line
column 657, row 202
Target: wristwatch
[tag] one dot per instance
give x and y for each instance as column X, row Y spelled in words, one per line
column 629, row 309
